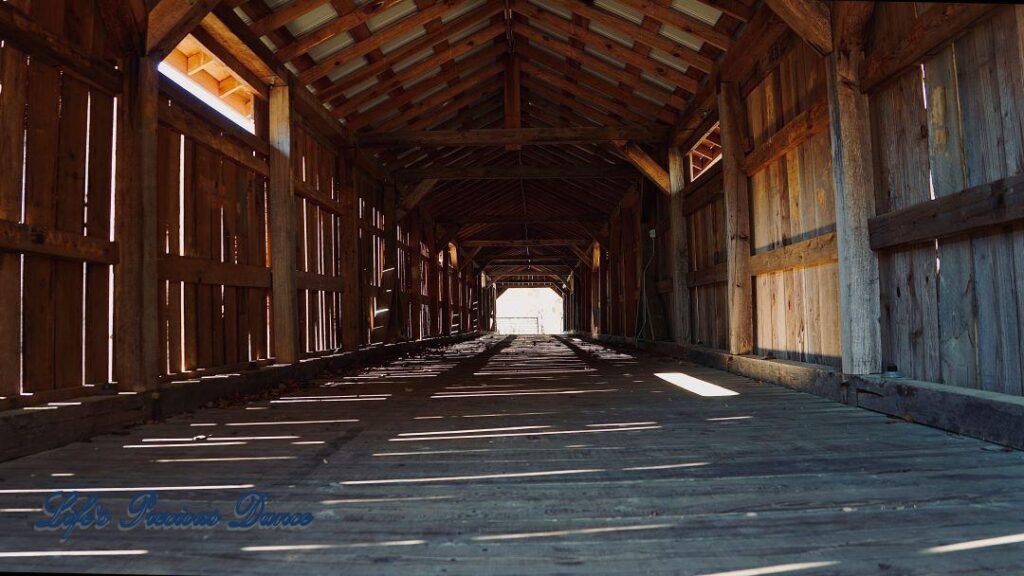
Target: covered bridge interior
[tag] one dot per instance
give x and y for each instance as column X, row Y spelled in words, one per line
column 785, row 232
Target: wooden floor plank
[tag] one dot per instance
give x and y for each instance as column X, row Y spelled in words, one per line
column 539, row 455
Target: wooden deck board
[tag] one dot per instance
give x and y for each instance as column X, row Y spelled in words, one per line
column 787, row 479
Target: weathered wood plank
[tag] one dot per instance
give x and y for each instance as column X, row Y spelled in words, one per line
column 974, row 209
column 854, row 203
column 804, row 254
column 937, row 26
column 737, row 209
column 808, row 123
column 502, row 136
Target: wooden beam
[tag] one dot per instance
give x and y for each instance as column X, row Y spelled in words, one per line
column 520, row 243
column 513, row 94
column 645, row 164
column 205, row 271
column 650, row 36
column 171, row 20
column 711, row 275
column 351, row 297
column 284, row 14
column 423, row 69
column 808, row 123
column 15, row 238
column 810, row 19
column 850, row 125
column 627, row 79
column 936, row 27
column 136, row 293
column 380, row 37
column 761, row 35
column 679, row 253
column 283, row 228
column 692, row 25
column 412, row 197
column 584, row 220
column 512, row 172
column 523, row 136
column 804, row 254
column 616, row 50
column 976, row 208
column 433, row 37
column 737, row 220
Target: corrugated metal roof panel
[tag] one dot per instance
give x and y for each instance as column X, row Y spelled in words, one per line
column 698, row 10
column 469, row 31
column 657, row 82
column 347, row 68
column 312, row 20
column 606, row 59
column 353, row 90
column 668, row 60
column 393, row 14
column 621, row 10
column 408, row 85
column 612, row 34
column 328, row 48
column 403, row 40
column 553, row 9
column 680, row 37
column 418, row 57
column 460, row 10
column 549, row 31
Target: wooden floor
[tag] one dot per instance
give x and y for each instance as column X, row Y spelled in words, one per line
column 536, row 455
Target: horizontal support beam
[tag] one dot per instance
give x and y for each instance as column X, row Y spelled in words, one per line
column 705, row 276
column 811, row 252
column 469, row 220
column 996, row 203
column 808, row 123
column 202, row 271
column 520, row 136
column 519, row 243
column 304, row 190
column 645, row 164
column 512, row 173
column 15, row 237
column 314, row 281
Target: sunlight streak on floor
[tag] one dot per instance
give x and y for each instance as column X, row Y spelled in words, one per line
column 695, row 385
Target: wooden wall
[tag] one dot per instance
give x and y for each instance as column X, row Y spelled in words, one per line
column 61, row 96
column 214, row 278
column 792, row 203
column 320, row 216
column 952, row 306
column 705, row 226
column 56, row 217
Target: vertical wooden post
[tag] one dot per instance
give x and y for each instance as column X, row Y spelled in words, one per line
column 513, row 104
column 415, row 276
column 351, row 321
column 732, row 118
column 283, row 228
column 432, row 290
column 679, row 252
column 859, row 306
column 446, row 292
column 596, row 275
column 394, row 316
column 136, row 299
